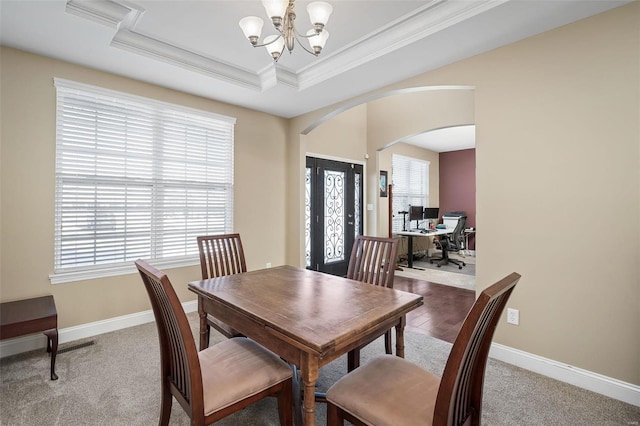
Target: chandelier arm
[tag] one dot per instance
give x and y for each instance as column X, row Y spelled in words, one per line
column 306, row 36
column 302, row 45
column 271, row 42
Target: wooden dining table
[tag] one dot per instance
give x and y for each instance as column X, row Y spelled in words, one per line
column 308, row 318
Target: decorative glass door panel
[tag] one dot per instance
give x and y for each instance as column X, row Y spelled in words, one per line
column 333, row 213
column 334, row 217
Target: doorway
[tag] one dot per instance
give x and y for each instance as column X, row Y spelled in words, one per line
column 333, row 213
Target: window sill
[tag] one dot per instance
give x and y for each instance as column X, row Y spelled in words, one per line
column 122, row 269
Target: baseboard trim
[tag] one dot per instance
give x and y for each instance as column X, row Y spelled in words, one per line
column 38, row 341
column 585, row 379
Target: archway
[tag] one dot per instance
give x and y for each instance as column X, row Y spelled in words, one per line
column 357, row 130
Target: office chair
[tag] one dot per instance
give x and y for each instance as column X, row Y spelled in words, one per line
column 389, row 390
column 452, row 242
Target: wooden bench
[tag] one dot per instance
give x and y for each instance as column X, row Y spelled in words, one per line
column 32, row 316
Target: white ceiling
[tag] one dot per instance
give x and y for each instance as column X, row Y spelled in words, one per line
column 446, row 139
column 197, row 46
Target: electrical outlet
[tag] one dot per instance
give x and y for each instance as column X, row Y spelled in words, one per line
column 513, row 316
column 268, row 264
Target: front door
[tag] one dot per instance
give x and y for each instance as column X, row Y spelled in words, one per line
column 334, row 196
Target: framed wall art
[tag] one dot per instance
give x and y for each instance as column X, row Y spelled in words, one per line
column 383, row 183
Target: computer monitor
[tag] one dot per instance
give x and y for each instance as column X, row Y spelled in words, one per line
column 416, row 213
column 431, row 212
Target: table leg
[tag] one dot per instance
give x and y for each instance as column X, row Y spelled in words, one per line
column 410, row 252
column 309, row 372
column 52, row 346
column 204, row 328
column 400, row 336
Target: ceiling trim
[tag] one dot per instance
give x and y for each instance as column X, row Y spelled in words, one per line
column 429, row 19
column 109, row 13
column 156, row 49
column 435, row 16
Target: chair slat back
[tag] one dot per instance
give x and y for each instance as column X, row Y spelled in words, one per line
column 373, row 260
column 221, row 255
column 178, row 354
column 459, row 399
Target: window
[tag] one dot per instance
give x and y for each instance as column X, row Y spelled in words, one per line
column 410, row 179
column 136, row 178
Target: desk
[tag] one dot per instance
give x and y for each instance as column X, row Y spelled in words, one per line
column 306, row 317
column 32, row 316
column 412, row 234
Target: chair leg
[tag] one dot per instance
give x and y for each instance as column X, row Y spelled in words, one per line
column 296, row 389
column 207, row 336
column 165, row 408
column 285, row 404
column 459, row 263
column 332, row 415
column 387, row 342
column 353, row 360
column 445, row 256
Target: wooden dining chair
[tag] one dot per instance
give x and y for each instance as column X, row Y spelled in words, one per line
column 393, row 391
column 215, row 382
column 221, row 255
column 373, row 261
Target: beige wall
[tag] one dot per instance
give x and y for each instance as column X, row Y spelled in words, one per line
column 27, row 189
column 558, row 186
column 343, row 137
column 393, row 118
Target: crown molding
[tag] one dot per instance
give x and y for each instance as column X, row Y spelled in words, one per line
column 429, row 19
column 165, row 52
column 287, row 77
column 109, row 13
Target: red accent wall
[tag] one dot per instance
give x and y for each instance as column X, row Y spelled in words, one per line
column 457, row 182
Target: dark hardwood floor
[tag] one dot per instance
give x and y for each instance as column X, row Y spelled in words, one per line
column 444, row 309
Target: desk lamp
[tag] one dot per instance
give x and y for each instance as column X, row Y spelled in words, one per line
column 404, row 219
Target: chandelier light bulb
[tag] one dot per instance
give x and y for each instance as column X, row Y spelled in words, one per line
column 319, row 12
column 251, row 27
column 317, row 40
column 274, row 45
column 276, row 10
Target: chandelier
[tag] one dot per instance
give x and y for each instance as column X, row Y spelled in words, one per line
column 283, row 16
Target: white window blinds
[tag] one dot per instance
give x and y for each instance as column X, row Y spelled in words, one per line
column 410, row 178
column 136, row 178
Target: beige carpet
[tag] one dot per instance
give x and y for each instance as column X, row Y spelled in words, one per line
column 447, row 276
column 116, row 382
